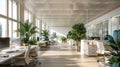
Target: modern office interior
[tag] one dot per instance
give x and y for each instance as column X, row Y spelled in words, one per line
column 20, row 46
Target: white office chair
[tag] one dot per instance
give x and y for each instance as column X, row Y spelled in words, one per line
column 34, row 55
column 23, row 61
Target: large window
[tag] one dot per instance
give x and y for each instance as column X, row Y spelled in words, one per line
column 10, row 28
column 12, row 9
column 27, row 16
column 12, row 6
column 3, row 7
column 11, row 25
column 38, row 26
column 3, row 27
column 14, row 29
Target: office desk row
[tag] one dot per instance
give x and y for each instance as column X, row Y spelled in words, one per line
column 8, row 54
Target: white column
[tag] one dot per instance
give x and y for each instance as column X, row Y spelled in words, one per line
column 40, row 27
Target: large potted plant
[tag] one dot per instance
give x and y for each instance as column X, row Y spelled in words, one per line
column 45, row 37
column 114, row 43
column 77, row 33
column 26, row 31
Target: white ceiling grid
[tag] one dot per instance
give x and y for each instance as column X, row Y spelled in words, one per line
column 68, row 12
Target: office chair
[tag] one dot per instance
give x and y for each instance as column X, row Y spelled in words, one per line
column 34, row 55
column 23, row 61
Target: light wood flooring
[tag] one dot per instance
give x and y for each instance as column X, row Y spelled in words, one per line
column 65, row 56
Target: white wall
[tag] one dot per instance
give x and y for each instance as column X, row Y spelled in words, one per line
column 107, row 16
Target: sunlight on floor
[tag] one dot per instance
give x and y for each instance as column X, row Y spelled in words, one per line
column 66, row 57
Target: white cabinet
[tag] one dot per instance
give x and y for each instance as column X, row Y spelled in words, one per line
column 92, row 47
column 91, row 50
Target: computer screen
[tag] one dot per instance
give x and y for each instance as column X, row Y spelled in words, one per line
column 4, row 42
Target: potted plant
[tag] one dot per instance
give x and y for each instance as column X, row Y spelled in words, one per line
column 64, row 39
column 77, row 33
column 33, row 41
column 114, row 43
column 45, row 35
column 26, row 31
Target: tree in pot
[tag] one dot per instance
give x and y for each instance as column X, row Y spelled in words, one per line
column 26, row 31
column 77, row 33
column 114, row 43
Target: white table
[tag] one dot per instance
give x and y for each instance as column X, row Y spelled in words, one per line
column 10, row 55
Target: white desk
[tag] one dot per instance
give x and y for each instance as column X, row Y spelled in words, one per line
column 10, row 55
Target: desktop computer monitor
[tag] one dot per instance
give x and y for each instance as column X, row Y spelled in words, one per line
column 4, row 42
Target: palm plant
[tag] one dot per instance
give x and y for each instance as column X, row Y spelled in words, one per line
column 33, row 41
column 26, row 30
column 114, row 43
column 45, row 35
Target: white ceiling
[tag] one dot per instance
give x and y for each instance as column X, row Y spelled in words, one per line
column 65, row 13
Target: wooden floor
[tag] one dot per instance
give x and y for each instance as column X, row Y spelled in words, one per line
column 65, row 56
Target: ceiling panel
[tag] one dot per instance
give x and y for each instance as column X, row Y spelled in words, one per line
column 69, row 12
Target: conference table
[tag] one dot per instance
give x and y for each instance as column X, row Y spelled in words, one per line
column 8, row 53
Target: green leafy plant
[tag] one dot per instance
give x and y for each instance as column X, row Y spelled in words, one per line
column 45, row 35
column 64, row 39
column 114, row 43
column 26, row 30
column 33, row 41
column 77, row 33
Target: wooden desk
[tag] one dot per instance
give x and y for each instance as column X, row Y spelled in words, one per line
column 10, row 55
